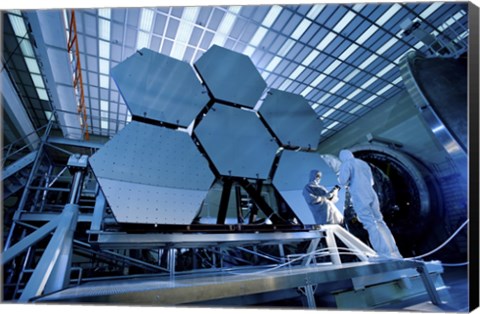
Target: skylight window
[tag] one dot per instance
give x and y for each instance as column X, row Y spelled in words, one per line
column 104, row 29
column 142, row 40
column 105, row 13
column 301, row 28
column 104, row 105
column 104, row 124
column 306, row 91
column 315, row 106
column 369, row 100
column 286, row 47
column 356, row 109
column 32, row 65
column 369, row 82
column 329, row 112
column 388, row 14
column 225, row 27
column 311, row 56
column 353, row 94
column 273, row 64
column 351, row 75
column 385, row 69
column 347, row 18
column 340, row 104
column 367, row 62
column 271, row 16
column 387, row 45
column 104, row 67
column 332, row 67
column 383, row 90
column 325, row 41
column 297, row 72
column 315, row 11
column 337, row 87
column 37, row 80
column 332, row 125
column 348, row 52
column 104, row 49
column 367, row 34
column 259, row 34
column 18, row 25
column 104, row 81
column 285, row 84
column 430, row 10
column 398, row 80
column 27, row 48
column 319, row 79
column 42, row 94
column 146, row 20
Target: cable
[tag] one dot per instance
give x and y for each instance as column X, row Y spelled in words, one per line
column 442, row 245
column 455, row 265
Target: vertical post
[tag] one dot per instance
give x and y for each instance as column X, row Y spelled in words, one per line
column 238, row 197
column 223, row 208
column 429, row 285
column 332, row 247
column 311, row 248
column 171, row 263
column 310, row 297
column 98, row 212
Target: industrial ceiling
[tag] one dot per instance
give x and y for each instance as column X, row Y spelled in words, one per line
column 343, row 58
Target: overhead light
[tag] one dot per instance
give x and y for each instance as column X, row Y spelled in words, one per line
column 332, row 67
column 224, row 29
column 259, row 35
column 385, row 69
column 104, row 29
column 388, row 14
column 311, row 56
column 104, row 49
column 129, row 116
column 104, row 81
column 297, row 72
column 104, row 105
column 105, row 13
column 358, row 7
column 337, row 87
column 184, row 32
column 368, row 83
column 306, row 91
column 387, row 45
column 146, row 20
column 14, row 11
column 249, row 51
column 452, row 20
column 48, row 114
column 315, row 106
column 104, row 124
column 27, row 49
column 366, row 35
column 334, row 124
column 430, row 10
column 340, row 104
column 325, row 41
column 273, row 64
column 37, row 80
column 315, row 11
column 272, row 15
column 32, row 65
column 348, row 52
column 318, row 80
column 369, row 100
column 329, row 112
column 287, row 45
column 383, row 90
column 301, row 28
column 104, row 114
column 142, row 40
column 351, row 75
column 104, row 66
column 285, row 84
column 18, row 25
column 367, row 62
column 347, row 18
column 42, row 94
column 354, row 93
column 356, row 109
column 398, row 80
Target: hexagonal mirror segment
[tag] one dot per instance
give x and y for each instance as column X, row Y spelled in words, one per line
column 237, row 142
column 292, row 119
column 292, row 174
column 159, row 87
column 230, row 76
column 152, row 175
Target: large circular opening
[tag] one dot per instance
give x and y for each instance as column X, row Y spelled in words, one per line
column 405, row 197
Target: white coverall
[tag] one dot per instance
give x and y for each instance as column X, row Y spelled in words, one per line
column 357, row 174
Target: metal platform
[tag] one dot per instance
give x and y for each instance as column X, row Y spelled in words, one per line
column 215, row 286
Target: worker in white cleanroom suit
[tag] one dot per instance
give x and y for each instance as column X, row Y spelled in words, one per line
column 357, row 174
column 321, row 201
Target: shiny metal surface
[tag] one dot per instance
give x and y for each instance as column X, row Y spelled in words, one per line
column 445, row 136
column 291, row 176
column 230, row 76
column 292, row 119
column 159, row 87
column 151, row 174
column 195, row 288
column 237, row 142
column 110, row 240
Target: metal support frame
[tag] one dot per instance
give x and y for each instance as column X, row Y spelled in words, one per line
column 260, row 202
column 223, row 207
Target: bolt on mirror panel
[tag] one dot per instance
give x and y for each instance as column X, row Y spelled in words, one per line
column 165, row 162
column 159, row 87
column 292, row 119
column 230, row 76
column 292, row 174
column 237, row 142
